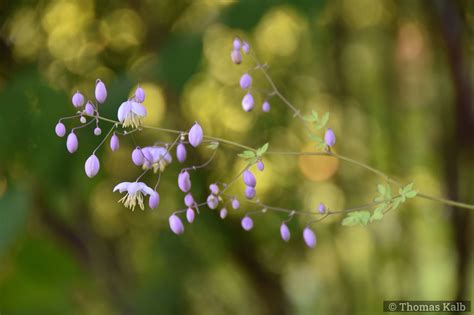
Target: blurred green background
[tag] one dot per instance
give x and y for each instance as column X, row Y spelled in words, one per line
column 395, row 75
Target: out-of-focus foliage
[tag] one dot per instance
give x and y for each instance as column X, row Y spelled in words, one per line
column 381, row 68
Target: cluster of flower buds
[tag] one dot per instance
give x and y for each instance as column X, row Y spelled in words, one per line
column 236, row 54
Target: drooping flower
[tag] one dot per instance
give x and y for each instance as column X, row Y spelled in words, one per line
column 223, row 213
column 195, row 135
column 139, row 95
column 236, row 56
column 83, row 120
column 247, row 223
column 156, row 158
column 114, row 142
column 92, row 166
column 71, row 142
column 97, row 131
column 249, row 178
column 309, row 237
column 214, row 189
column 250, row 192
column 181, row 153
column 245, row 81
column 135, row 193
column 131, row 113
column 77, row 99
column 260, row 165
column 235, row 204
column 184, row 182
column 285, row 232
column 329, row 137
column 246, row 47
column 100, row 91
column 60, row 129
column 176, row 225
column 212, row 201
column 266, row 107
column 190, row 215
column 237, row 43
column 154, row 200
column 247, row 102
column 189, row 200
column 137, row 156
column 321, row 208
column 89, row 109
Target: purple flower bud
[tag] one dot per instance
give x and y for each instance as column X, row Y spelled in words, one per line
column 92, row 166
column 181, row 152
column 247, row 223
column 83, row 120
column 260, row 166
column 77, row 100
column 321, row 208
column 195, row 135
column 100, row 91
column 60, row 129
column 137, row 157
column 245, row 81
column 214, row 189
column 176, row 225
column 250, row 192
column 246, row 47
column 97, row 131
column 223, row 213
column 71, row 142
column 236, row 57
column 237, row 44
column 89, row 109
column 249, row 178
column 139, row 95
column 154, row 200
column 329, row 137
column 189, row 200
column 235, row 204
column 190, row 215
column 266, row 107
column 184, row 182
column 309, row 237
column 247, row 102
column 212, row 201
column 114, row 143
column 285, row 232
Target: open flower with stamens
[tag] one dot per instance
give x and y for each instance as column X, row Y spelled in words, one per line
column 155, row 158
column 135, row 193
column 131, row 113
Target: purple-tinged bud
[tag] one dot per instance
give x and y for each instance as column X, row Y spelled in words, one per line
column 235, row 204
column 250, row 192
column 195, row 135
column 97, row 131
column 100, row 91
column 247, row 223
column 237, row 44
column 71, row 142
column 92, row 166
column 249, row 178
column 139, row 95
column 260, row 166
column 214, row 189
column 181, row 153
column 154, row 200
column 114, row 142
column 285, row 232
column 329, row 137
column 223, row 213
column 89, row 109
column 77, row 100
column 190, row 215
column 246, row 47
column 212, row 201
column 236, row 56
column 137, row 157
column 321, row 208
column 83, row 120
column 245, row 81
column 309, row 237
column 189, row 200
column 266, row 107
column 247, row 102
column 60, row 129
column 184, row 182
column 176, row 225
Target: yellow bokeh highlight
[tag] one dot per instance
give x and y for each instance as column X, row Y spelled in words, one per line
column 24, row 33
column 317, row 168
column 122, row 29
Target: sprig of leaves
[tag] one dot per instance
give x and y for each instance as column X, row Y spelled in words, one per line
column 319, row 122
column 253, row 156
column 213, row 145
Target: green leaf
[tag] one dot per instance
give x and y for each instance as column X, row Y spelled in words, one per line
column 315, row 138
column 309, row 118
column 378, row 213
column 381, row 189
column 315, row 115
column 213, row 145
column 356, row 218
column 261, row 151
column 247, row 154
column 411, row 194
column 323, row 121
